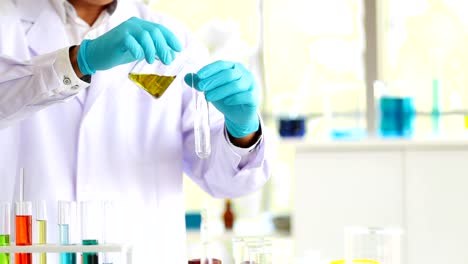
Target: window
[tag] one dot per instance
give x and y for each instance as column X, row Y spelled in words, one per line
column 424, row 44
column 313, row 53
column 314, row 60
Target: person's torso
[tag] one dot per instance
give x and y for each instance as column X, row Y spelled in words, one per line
column 117, row 144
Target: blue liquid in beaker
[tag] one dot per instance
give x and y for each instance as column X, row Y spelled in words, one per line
column 397, row 116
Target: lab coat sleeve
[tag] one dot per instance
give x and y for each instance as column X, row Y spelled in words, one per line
column 245, row 153
column 29, row 86
column 229, row 171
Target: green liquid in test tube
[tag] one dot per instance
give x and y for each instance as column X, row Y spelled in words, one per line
column 5, row 231
column 65, row 216
column 91, row 229
column 90, row 257
column 4, row 241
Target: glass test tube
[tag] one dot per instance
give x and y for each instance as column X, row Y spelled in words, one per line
column 64, row 224
column 108, row 228
column 201, row 124
column 41, row 223
column 206, row 256
column 5, row 230
column 23, row 230
column 91, row 227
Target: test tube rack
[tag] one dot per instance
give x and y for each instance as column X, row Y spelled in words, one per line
column 124, row 250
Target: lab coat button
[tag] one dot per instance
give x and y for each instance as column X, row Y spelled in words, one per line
column 75, row 87
column 66, row 80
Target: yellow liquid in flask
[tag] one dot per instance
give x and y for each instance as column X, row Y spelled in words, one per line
column 154, row 84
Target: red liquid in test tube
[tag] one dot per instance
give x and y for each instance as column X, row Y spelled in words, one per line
column 23, row 231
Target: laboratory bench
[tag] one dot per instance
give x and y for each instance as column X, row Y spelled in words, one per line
column 420, row 185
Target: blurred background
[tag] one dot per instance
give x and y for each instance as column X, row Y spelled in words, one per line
column 366, row 105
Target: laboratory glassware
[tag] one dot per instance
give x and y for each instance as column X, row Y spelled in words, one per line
column 154, row 78
column 250, row 250
column 5, row 230
column 41, row 224
column 396, row 116
column 198, row 261
column 91, row 229
column 373, row 245
column 356, row 261
column 23, row 219
column 205, row 238
column 343, row 121
column 201, row 124
column 292, row 126
column 157, row 77
column 228, row 215
column 396, row 109
column 65, row 215
column 206, row 254
column 108, row 228
column 238, row 246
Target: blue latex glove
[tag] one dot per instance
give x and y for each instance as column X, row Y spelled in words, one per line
column 132, row 40
column 231, row 88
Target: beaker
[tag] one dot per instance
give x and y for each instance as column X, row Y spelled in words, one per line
column 252, row 250
column 156, row 78
column 343, row 107
column 396, row 109
column 207, row 261
column 373, row 245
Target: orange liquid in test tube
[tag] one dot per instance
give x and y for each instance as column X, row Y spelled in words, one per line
column 23, row 238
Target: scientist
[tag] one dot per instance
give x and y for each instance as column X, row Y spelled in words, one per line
column 83, row 131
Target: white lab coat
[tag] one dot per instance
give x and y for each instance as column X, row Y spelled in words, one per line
column 119, row 144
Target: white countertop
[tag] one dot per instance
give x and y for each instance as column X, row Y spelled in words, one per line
column 302, row 145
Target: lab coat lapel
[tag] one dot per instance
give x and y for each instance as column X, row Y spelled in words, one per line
column 108, row 79
column 99, row 82
column 47, row 33
column 104, row 82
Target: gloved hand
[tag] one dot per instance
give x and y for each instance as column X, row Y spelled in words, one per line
column 231, row 88
column 132, row 40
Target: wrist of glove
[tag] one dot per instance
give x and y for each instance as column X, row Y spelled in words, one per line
column 241, row 130
column 231, row 88
column 132, row 40
column 82, row 62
